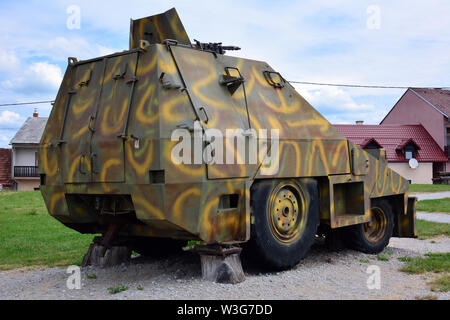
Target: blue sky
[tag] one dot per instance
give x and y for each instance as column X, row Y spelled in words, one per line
column 360, row 42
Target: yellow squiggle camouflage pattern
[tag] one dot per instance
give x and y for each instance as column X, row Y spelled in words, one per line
column 111, row 125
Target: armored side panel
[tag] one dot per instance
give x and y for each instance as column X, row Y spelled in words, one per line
column 157, row 28
column 106, row 152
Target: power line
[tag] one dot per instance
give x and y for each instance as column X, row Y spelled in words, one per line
column 354, row 85
column 296, row 82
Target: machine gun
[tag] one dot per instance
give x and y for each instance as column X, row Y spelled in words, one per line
column 215, row 47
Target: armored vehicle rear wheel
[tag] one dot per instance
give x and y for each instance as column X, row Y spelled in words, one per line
column 286, row 217
column 372, row 237
column 157, row 247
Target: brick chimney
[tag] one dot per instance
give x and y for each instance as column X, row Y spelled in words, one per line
column 35, row 113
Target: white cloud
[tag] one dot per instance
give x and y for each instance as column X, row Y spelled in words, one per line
column 339, row 105
column 60, row 48
column 8, row 61
column 37, row 77
column 49, row 74
column 10, row 118
column 317, row 41
column 333, row 96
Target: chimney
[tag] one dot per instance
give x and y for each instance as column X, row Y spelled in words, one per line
column 35, row 113
column 359, row 122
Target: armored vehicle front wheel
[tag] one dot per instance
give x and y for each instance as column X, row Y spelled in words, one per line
column 374, row 236
column 157, row 247
column 286, row 217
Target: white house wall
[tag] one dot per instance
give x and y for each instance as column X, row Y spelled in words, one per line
column 24, row 157
column 422, row 175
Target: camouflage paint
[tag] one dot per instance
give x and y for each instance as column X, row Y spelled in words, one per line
column 110, row 128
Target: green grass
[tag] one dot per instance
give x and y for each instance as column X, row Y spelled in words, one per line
column 435, row 205
column 441, row 284
column 403, row 259
column 382, row 257
column 433, row 262
column 428, row 229
column 194, row 243
column 30, row 236
column 364, row 261
column 385, row 255
column 117, row 289
column 429, row 187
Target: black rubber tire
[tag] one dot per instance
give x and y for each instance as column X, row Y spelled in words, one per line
column 157, row 247
column 355, row 238
column 263, row 248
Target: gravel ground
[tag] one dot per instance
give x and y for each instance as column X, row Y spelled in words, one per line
column 322, row 275
column 434, row 216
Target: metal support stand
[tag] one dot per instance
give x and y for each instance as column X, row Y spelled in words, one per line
column 221, row 264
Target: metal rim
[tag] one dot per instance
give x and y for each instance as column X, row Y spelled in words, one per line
column 287, row 212
column 375, row 230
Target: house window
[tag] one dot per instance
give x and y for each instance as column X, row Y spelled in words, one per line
column 408, row 149
column 372, row 145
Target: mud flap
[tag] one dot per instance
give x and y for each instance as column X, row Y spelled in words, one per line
column 407, row 227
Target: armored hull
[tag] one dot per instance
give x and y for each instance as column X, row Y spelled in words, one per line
column 107, row 153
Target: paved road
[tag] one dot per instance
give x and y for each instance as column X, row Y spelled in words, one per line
column 431, row 195
column 434, row 216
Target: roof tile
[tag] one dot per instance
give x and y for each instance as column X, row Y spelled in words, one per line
column 31, row 131
column 438, row 97
column 5, row 166
column 391, row 136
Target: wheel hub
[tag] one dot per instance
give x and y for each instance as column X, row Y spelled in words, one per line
column 286, row 214
column 375, row 230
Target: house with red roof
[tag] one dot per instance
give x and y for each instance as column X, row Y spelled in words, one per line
column 429, row 108
column 402, row 143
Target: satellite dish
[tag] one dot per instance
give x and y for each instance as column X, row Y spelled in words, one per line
column 413, row 163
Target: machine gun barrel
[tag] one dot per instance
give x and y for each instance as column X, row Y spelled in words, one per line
column 215, row 47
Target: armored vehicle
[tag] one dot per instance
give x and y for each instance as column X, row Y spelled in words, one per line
column 110, row 160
